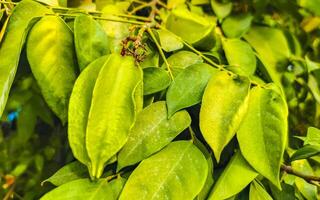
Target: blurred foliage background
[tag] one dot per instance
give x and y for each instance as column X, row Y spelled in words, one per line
column 33, row 142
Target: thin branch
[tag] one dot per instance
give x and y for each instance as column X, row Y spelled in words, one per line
column 101, row 18
column 308, row 178
column 160, row 51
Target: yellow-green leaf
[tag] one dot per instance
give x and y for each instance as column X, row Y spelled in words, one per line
column 224, row 104
column 14, row 33
column 263, row 133
column 177, row 172
column 151, row 132
column 234, row 178
column 79, row 107
column 84, row 189
column 50, row 51
column 112, row 111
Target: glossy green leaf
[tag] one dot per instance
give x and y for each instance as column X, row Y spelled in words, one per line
column 258, row 192
column 313, row 136
column 68, row 173
column 234, row 26
column 181, row 60
column 113, row 103
column 188, row 87
column 272, row 48
column 240, row 54
column 191, row 27
column 221, row 9
column 79, row 107
column 306, row 152
column 15, row 31
column 91, row 41
column 151, row 132
column 84, row 189
column 50, row 51
column 224, row 104
column 234, row 178
column 169, row 41
column 263, row 133
column 155, row 79
column 177, row 172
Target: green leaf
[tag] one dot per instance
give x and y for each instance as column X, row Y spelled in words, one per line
column 83, row 189
column 188, row 87
column 68, row 173
column 113, row 104
column 193, row 28
column 287, row 191
column 234, row 178
column 79, row 107
column 169, row 41
column 181, row 60
column 263, row 133
column 155, row 80
column 91, row 41
column 22, row 18
column 151, row 132
column 177, row 172
column 313, row 136
column 224, row 104
column 308, row 190
column 209, row 181
column 234, row 26
column 51, row 56
column 221, row 9
column 240, row 54
column 116, row 31
column 257, row 192
column 306, row 152
column 272, row 48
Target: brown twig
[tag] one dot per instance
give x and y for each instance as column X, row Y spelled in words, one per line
column 308, row 178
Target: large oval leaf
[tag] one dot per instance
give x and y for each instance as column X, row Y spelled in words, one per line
column 272, row 48
column 151, row 132
column 262, row 135
column 240, row 54
column 90, row 40
column 112, row 111
column 50, row 52
column 84, row 189
column 19, row 23
column 224, row 104
column 177, row 172
column 191, row 27
column 236, row 25
column 155, row 79
column 79, row 107
column 234, row 178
